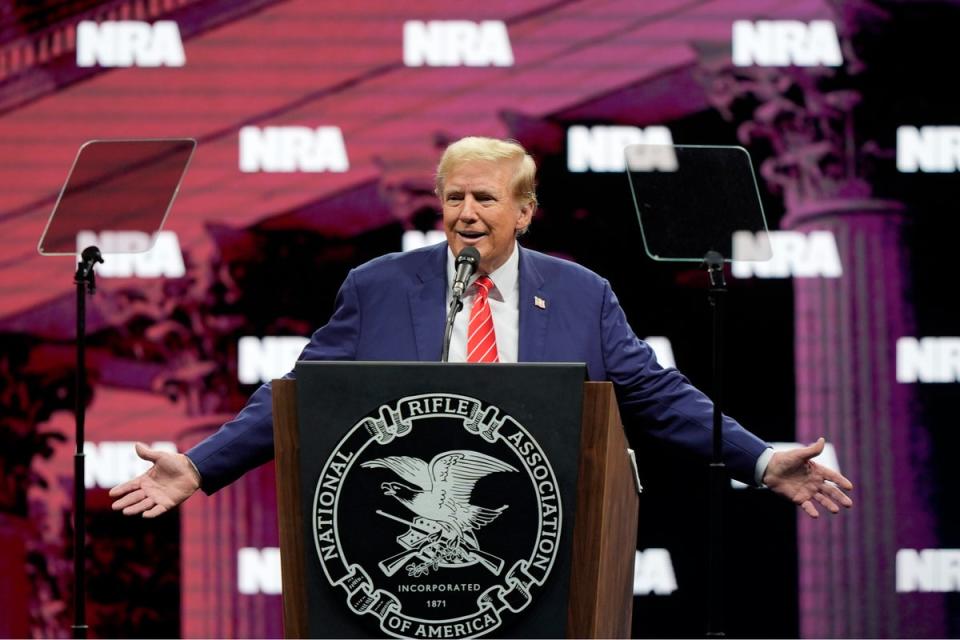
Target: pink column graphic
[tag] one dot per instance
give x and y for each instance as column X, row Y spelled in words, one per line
column 845, row 359
column 214, row 529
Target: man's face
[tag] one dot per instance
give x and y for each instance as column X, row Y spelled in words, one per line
column 479, row 210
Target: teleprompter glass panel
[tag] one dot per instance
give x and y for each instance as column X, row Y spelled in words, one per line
column 693, row 199
column 117, row 195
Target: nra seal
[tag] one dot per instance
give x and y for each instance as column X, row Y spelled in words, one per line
column 438, row 516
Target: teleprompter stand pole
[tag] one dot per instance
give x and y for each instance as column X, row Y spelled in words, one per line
column 713, row 263
column 86, row 284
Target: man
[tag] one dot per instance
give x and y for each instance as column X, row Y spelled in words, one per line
column 523, row 306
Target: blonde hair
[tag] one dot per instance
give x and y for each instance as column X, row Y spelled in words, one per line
column 471, row 148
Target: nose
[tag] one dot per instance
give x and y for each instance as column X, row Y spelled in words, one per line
column 468, row 212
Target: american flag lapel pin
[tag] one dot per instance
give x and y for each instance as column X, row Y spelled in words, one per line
column 539, row 302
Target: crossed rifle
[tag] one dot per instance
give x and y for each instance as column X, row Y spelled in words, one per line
column 395, row 562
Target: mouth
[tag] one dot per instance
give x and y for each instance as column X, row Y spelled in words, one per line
column 471, row 237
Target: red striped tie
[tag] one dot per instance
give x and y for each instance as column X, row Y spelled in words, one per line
column 481, row 339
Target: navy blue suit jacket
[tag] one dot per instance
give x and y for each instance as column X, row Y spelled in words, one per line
column 393, row 308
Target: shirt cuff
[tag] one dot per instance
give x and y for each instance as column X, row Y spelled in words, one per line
column 761, row 467
column 197, row 471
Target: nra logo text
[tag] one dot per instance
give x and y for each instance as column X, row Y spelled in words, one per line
column 125, row 254
column 653, row 573
column 456, row 43
column 604, row 149
column 129, row 43
column 936, row 570
column 928, row 149
column 795, row 254
column 784, row 43
column 930, row 359
column 288, row 149
column 258, row 570
column 415, row 239
column 261, row 360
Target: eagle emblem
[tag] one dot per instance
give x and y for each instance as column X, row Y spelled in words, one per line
column 442, row 531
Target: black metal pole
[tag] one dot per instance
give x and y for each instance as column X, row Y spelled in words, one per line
column 713, row 262
column 455, row 306
column 86, row 283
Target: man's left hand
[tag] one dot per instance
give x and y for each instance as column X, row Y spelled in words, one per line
column 795, row 476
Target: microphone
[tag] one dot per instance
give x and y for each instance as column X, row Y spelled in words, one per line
column 467, row 263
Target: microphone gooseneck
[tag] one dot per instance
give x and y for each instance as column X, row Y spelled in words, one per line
column 467, row 262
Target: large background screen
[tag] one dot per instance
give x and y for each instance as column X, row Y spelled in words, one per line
column 319, row 126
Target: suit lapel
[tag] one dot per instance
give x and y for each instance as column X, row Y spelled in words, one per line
column 533, row 315
column 427, row 300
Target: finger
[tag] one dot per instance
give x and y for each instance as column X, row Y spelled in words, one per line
column 140, row 507
column 155, row 511
column 810, row 509
column 126, row 487
column 838, row 478
column 129, row 499
column 147, row 453
column 827, row 502
column 813, row 450
column 801, row 455
column 837, row 496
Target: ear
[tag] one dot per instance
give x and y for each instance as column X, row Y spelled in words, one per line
column 525, row 216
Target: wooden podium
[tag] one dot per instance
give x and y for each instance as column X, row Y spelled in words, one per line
column 600, row 597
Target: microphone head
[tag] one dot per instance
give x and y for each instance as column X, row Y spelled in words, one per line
column 467, row 263
column 470, row 255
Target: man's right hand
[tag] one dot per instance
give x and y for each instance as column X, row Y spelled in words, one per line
column 171, row 480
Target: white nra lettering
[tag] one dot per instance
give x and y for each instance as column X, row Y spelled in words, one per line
column 128, row 43
column 796, row 254
column 653, row 573
column 929, row 359
column 604, row 148
column 663, row 350
column 126, row 254
column 928, row 149
column 928, row 570
column 263, row 359
column 782, row 43
column 456, row 43
column 414, row 239
column 107, row 464
column 289, row 149
column 258, row 571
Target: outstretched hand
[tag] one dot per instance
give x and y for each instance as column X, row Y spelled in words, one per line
column 794, row 475
column 171, row 480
